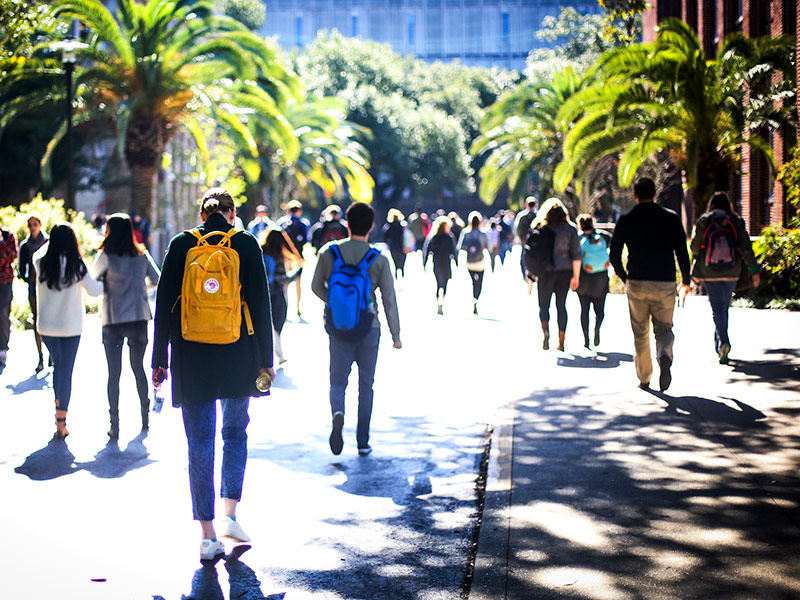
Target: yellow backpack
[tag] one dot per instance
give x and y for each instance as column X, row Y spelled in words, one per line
column 211, row 294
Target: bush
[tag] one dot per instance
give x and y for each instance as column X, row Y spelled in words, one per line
column 778, row 251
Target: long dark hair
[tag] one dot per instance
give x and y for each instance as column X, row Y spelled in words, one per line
column 119, row 237
column 720, row 201
column 63, row 244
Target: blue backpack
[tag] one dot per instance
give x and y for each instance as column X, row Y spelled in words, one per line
column 347, row 311
column 595, row 253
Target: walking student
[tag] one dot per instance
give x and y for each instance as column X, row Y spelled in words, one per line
column 351, row 320
column 8, row 254
column 475, row 243
column 213, row 332
column 296, row 227
column 593, row 286
column 442, row 246
column 124, row 266
column 719, row 247
column 654, row 237
column 35, row 240
column 61, row 278
column 562, row 274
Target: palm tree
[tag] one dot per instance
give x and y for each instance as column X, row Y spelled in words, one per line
column 331, row 160
column 667, row 95
column 521, row 137
column 152, row 68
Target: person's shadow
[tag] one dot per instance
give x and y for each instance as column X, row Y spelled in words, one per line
column 704, row 409
column 600, row 360
column 244, row 585
column 35, row 382
column 54, row 460
column 111, row 462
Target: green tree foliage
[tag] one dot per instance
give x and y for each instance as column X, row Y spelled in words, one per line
column 250, row 13
column 20, row 22
column 521, row 137
column 422, row 117
column 669, row 96
column 623, row 19
column 152, row 68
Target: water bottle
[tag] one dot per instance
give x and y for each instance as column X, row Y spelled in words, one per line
column 158, row 400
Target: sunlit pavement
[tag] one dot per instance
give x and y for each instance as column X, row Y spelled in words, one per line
column 603, row 491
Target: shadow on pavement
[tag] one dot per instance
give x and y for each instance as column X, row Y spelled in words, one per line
column 55, row 460
column 283, row 381
column 33, row 383
column 783, row 373
column 616, row 502
column 601, row 360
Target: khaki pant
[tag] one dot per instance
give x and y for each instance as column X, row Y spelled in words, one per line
column 651, row 300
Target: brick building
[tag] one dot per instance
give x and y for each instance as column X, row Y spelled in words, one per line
column 761, row 200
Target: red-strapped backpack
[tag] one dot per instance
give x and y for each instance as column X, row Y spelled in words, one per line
column 720, row 243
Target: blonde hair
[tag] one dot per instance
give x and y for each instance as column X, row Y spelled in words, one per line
column 552, row 212
column 394, row 215
column 441, row 225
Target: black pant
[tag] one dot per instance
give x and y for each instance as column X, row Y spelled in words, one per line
column 477, row 283
column 554, row 282
column 113, row 338
column 277, row 296
column 599, row 303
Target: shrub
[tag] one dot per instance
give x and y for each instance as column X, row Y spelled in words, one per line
column 778, row 251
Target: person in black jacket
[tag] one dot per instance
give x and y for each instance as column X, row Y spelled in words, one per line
column 442, row 246
column 655, row 238
column 27, row 249
column 204, row 372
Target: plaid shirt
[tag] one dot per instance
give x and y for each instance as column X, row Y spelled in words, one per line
column 8, row 254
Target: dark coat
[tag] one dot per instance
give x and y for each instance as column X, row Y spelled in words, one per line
column 205, row 372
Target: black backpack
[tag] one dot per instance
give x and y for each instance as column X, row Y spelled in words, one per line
column 538, row 251
column 720, row 243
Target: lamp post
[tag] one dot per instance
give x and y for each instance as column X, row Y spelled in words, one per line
column 68, row 48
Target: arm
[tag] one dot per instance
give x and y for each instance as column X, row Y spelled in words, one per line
column 615, row 251
column 453, row 249
column 99, row 266
column 153, row 272
column 8, row 249
column 92, row 286
column 426, row 249
column 681, row 252
column 386, row 286
column 254, row 279
column 24, row 266
column 169, row 289
column 319, row 283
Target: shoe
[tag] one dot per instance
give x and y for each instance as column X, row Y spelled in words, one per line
column 665, row 378
column 113, row 433
column 561, row 336
column 439, row 310
column 40, row 366
column 644, row 386
column 597, row 336
column 232, row 529
column 475, row 309
column 365, row 451
column 723, row 354
column 211, row 549
column 336, row 442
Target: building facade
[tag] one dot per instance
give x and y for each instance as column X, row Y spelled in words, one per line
column 477, row 32
column 761, row 200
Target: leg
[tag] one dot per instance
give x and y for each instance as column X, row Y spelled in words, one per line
column 585, row 304
column 662, row 309
column 200, row 422
column 112, row 344
column 343, row 355
column 719, row 296
column 137, row 346
column 298, row 288
column 599, row 315
column 5, row 320
column 234, row 450
column 561, row 289
column 545, row 291
column 640, row 324
column 477, row 284
column 36, row 336
column 68, row 352
column 366, row 359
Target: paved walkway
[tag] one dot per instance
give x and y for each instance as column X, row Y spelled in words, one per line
column 600, row 490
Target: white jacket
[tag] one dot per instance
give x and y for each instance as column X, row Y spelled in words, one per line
column 61, row 311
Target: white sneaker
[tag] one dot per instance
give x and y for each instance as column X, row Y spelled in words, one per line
column 233, row 530
column 210, row 549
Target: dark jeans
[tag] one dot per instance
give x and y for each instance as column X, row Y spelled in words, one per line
column 399, row 258
column 477, row 283
column 554, row 282
column 200, row 424
column 277, row 296
column 599, row 303
column 442, row 277
column 365, row 354
column 63, row 351
column 5, row 315
column 719, row 296
column 113, row 339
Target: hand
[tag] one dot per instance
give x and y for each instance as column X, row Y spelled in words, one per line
column 756, row 279
column 573, row 283
column 397, row 344
column 271, row 372
column 159, row 376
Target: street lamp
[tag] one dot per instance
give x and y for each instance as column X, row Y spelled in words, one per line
column 68, row 48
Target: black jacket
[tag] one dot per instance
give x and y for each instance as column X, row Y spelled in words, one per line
column 205, row 372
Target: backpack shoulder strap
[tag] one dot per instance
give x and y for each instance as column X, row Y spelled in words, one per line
column 368, row 259
column 336, row 255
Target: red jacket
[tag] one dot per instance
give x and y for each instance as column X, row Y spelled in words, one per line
column 8, row 254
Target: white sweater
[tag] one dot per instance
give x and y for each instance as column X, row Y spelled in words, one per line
column 61, row 311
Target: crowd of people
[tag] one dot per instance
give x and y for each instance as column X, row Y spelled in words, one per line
column 222, row 300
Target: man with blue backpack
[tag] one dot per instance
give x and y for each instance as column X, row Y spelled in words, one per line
column 347, row 274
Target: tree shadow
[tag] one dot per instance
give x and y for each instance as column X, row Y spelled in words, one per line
column 600, row 360
column 784, row 372
column 35, row 382
column 53, row 461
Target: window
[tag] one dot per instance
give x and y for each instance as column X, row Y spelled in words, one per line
column 412, row 29
column 354, row 26
column 506, row 24
column 298, row 30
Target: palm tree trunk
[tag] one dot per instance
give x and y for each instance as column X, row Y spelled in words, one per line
column 142, row 189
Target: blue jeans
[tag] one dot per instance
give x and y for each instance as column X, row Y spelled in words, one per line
column 200, row 424
column 719, row 296
column 365, row 354
column 63, row 351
